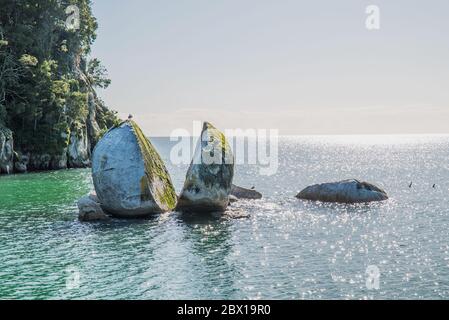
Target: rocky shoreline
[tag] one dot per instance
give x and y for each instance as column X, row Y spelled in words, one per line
column 77, row 154
column 50, row 114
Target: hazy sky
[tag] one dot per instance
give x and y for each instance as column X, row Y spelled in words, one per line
column 303, row 67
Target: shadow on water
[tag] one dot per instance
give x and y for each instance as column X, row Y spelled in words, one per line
column 210, row 240
column 199, row 218
column 125, row 222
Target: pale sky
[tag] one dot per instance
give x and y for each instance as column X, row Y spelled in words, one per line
column 303, row 67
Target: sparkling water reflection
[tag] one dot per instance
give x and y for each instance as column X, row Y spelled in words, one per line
column 287, row 249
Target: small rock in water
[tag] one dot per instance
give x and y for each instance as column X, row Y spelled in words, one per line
column 209, row 178
column 90, row 209
column 129, row 176
column 347, row 191
column 243, row 193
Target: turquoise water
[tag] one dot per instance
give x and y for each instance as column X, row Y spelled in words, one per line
column 287, row 249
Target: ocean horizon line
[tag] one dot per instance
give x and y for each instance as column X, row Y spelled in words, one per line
column 328, row 135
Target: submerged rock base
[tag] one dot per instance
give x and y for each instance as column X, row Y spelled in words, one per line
column 90, row 209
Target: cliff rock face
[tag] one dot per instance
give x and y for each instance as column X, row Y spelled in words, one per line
column 79, row 149
column 129, row 176
column 21, row 163
column 92, row 126
column 40, row 162
column 209, row 178
column 81, row 139
column 59, row 162
column 6, row 151
column 47, row 87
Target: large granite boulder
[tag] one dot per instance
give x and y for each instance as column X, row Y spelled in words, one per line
column 347, row 191
column 244, row 193
column 209, row 179
column 129, row 176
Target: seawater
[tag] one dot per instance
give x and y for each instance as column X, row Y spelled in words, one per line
column 286, row 249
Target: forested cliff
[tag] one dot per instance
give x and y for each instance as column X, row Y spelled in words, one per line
column 50, row 114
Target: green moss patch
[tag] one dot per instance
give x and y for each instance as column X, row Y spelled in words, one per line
column 217, row 136
column 155, row 173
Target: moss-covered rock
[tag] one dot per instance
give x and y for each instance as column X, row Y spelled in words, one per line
column 209, row 179
column 129, row 176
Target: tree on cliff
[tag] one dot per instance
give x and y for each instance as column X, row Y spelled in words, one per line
column 47, row 82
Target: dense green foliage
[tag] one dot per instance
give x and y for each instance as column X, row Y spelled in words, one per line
column 45, row 75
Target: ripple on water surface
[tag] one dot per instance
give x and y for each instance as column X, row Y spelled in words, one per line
column 286, row 249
